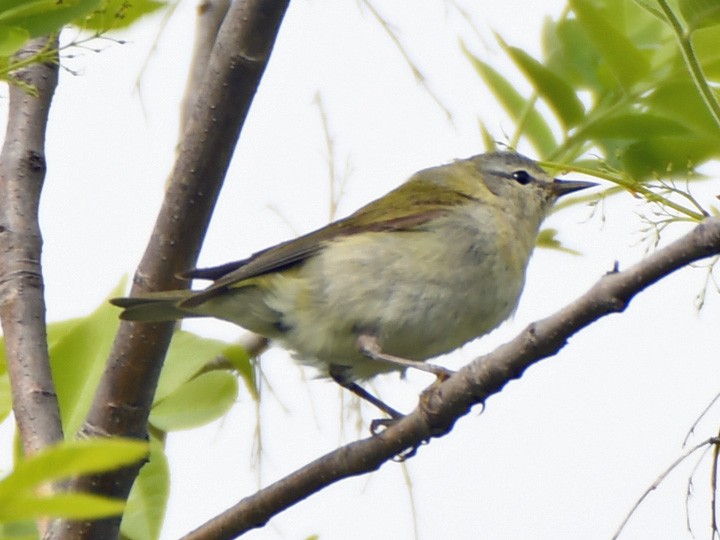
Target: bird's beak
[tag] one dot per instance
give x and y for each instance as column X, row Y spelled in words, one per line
column 563, row 187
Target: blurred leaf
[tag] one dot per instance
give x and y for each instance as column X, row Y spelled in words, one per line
column 118, row 14
column 680, row 101
column 700, row 13
column 557, row 93
column 62, row 505
column 18, row 530
column 489, row 144
column 547, row 238
column 196, row 402
column 189, row 354
column 147, row 502
column 651, row 7
column 567, row 52
column 42, row 17
column 21, row 496
column 706, row 44
column 634, row 125
column 667, row 156
column 71, row 458
column 12, row 38
column 78, row 352
column 5, row 396
column 536, row 129
column 627, row 63
column 238, row 357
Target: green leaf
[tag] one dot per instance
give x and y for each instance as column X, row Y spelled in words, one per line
column 67, row 459
column 489, row 143
column 62, row 505
column 18, row 530
column 25, row 492
column 624, row 60
column 634, row 126
column 667, row 156
column 145, row 511
column 651, row 7
column 700, row 13
column 547, row 238
column 78, row 352
column 238, row 357
column 41, row 17
column 568, row 54
column 12, row 38
column 196, row 402
column 187, row 356
column 536, row 129
column 118, row 14
column 555, row 91
column 680, row 101
column 5, row 396
column 706, row 43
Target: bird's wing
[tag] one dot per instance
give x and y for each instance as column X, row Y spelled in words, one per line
column 405, row 217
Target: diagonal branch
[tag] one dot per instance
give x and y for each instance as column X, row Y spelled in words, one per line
column 442, row 404
column 22, row 304
column 210, row 15
column 124, row 395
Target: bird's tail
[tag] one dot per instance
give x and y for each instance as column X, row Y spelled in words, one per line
column 154, row 307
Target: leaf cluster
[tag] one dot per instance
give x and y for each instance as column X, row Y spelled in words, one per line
column 22, row 20
column 629, row 87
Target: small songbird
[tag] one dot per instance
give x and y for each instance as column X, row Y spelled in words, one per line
column 433, row 264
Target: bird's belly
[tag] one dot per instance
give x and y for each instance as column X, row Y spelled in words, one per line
column 416, row 311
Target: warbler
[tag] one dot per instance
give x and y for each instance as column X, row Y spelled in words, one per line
column 433, row 264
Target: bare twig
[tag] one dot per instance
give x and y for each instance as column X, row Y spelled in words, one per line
column 22, row 302
column 22, row 305
column 711, row 441
column 444, row 402
column 414, row 69
column 210, row 15
column 707, row 408
column 122, row 402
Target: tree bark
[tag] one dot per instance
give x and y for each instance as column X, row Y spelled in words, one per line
column 22, row 302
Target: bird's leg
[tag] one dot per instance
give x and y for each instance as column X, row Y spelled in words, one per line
column 369, row 346
column 337, row 373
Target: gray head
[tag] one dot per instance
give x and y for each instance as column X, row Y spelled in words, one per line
column 512, row 175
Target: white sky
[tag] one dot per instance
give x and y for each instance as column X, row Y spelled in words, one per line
column 562, row 453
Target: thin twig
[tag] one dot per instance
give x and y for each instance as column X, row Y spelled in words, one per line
column 659, row 480
column 691, row 431
column 417, row 74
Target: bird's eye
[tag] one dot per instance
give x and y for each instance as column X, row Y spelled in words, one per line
column 521, row 177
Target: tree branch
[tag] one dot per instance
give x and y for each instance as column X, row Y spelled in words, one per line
column 22, row 301
column 210, row 15
column 444, row 402
column 22, row 304
column 124, row 396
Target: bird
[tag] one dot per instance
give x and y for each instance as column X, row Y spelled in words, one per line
column 433, row 264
